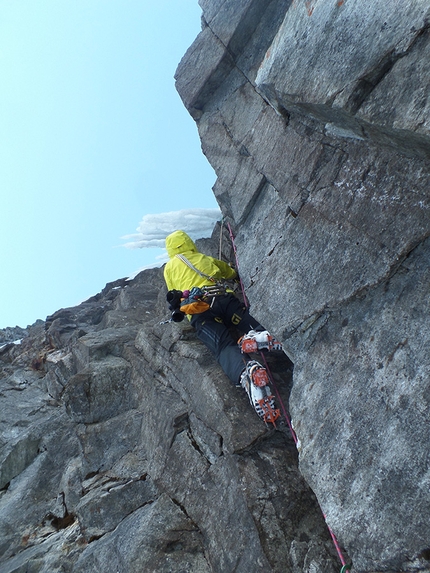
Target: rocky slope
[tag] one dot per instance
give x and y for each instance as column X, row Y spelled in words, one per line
column 124, row 448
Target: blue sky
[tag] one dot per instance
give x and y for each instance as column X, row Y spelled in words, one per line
column 93, row 137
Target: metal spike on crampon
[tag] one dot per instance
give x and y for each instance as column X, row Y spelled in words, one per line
column 270, row 414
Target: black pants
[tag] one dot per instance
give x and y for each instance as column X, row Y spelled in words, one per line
column 213, row 329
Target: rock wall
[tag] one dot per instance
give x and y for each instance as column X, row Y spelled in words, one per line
column 315, row 117
column 123, row 447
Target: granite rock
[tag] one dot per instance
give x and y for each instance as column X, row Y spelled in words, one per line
column 318, row 134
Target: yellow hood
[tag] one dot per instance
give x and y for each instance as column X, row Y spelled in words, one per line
column 179, row 242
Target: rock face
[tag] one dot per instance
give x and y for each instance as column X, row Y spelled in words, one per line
column 315, row 117
column 124, row 447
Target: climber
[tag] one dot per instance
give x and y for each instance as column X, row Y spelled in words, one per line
column 220, row 310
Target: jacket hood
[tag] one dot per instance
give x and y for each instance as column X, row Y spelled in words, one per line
column 179, row 242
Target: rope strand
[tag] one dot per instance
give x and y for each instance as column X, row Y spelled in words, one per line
column 220, row 240
column 338, row 549
column 245, row 300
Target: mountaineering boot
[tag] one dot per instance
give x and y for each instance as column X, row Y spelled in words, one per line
column 255, row 341
column 259, row 393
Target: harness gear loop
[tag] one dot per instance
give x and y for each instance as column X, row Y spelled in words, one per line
column 214, row 290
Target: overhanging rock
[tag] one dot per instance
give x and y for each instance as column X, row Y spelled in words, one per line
column 319, row 136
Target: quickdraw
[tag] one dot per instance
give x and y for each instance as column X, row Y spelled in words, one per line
column 215, row 290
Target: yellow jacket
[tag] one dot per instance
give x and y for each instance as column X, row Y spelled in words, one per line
column 179, row 276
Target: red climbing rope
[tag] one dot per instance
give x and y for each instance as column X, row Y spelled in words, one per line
column 345, row 567
column 245, row 300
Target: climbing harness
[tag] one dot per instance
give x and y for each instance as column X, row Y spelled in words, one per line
column 195, row 301
column 200, row 299
column 218, row 289
column 345, row 567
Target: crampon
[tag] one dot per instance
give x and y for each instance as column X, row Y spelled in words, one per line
column 254, row 380
column 256, row 341
column 269, row 413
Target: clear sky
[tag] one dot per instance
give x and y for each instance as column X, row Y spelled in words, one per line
column 93, row 137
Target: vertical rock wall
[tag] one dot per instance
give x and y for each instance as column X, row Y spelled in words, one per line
column 123, row 447
column 315, row 117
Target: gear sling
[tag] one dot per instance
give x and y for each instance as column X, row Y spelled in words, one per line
column 195, row 301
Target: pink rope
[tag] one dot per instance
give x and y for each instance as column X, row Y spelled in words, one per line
column 245, row 300
column 336, row 544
